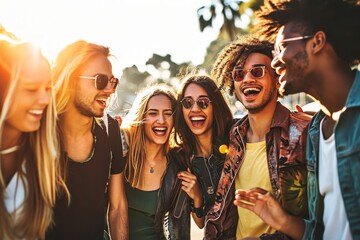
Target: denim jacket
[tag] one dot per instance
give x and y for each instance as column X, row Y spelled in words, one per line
column 347, row 142
column 285, row 151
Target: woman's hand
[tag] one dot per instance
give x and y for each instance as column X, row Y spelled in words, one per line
column 191, row 186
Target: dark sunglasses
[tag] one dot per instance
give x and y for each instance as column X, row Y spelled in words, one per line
column 238, row 74
column 202, row 102
column 102, row 80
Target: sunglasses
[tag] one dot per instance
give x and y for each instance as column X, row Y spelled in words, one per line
column 202, row 102
column 102, row 80
column 238, row 74
column 276, row 52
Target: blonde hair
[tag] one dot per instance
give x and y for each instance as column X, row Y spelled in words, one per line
column 39, row 150
column 67, row 67
column 133, row 128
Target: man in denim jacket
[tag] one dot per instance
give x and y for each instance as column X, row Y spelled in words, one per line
column 267, row 147
column 316, row 54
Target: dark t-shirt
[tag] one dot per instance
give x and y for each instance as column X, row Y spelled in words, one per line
column 87, row 181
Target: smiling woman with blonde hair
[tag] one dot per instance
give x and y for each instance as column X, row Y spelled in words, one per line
column 28, row 146
column 151, row 166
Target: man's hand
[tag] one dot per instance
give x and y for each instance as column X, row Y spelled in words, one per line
column 263, row 204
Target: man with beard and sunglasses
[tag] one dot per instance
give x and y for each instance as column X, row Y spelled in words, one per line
column 317, row 51
column 91, row 157
column 267, row 147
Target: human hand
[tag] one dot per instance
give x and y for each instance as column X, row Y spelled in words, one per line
column 310, row 108
column 191, row 186
column 263, row 204
column 118, row 119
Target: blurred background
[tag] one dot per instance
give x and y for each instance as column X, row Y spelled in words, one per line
column 152, row 40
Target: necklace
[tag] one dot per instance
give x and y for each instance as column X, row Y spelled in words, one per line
column 152, row 167
column 152, row 170
column 9, row 150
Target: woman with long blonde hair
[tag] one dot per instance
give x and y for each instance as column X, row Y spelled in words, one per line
column 151, row 168
column 28, row 146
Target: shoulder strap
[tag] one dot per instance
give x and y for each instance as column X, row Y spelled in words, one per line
column 114, row 136
column 110, row 125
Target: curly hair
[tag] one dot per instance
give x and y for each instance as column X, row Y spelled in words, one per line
column 339, row 19
column 236, row 54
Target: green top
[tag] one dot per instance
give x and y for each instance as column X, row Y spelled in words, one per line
column 142, row 208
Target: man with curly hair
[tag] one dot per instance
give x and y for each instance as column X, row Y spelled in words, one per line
column 317, row 51
column 267, row 147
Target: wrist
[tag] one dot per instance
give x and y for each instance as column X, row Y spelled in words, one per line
column 199, row 211
column 281, row 224
column 292, row 226
column 198, row 203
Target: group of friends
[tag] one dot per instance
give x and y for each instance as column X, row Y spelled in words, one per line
column 71, row 171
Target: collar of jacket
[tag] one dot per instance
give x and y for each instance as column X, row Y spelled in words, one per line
column 353, row 99
column 279, row 120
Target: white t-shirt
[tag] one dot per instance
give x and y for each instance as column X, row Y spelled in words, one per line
column 335, row 220
column 15, row 195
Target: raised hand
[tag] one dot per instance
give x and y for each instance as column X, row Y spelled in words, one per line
column 191, row 185
column 263, row 204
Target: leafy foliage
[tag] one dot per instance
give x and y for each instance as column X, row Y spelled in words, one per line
column 231, row 11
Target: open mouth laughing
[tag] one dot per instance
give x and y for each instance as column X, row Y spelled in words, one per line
column 160, row 131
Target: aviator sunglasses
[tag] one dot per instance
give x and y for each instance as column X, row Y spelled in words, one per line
column 238, row 74
column 101, row 81
column 202, row 102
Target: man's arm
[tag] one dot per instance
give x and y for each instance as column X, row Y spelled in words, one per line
column 118, row 208
column 263, row 204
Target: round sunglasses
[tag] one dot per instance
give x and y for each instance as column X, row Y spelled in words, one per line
column 102, row 80
column 202, row 102
column 238, row 74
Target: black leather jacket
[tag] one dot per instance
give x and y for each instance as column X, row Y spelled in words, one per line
column 172, row 227
column 208, row 171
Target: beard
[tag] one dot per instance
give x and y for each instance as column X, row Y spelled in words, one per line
column 295, row 75
column 263, row 104
column 84, row 108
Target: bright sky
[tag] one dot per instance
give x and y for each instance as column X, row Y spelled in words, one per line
column 134, row 29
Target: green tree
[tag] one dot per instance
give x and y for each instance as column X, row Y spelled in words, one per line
column 133, row 80
column 237, row 18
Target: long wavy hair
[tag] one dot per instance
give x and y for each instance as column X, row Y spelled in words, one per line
column 222, row 115
column 69, row 63
column 133, row 128
column 38, row 152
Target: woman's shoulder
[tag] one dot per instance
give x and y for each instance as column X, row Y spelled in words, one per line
column 176, row 157
column 176, row 150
